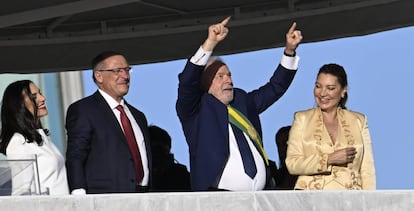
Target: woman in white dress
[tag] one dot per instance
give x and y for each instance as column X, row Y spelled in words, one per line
column 22, row 134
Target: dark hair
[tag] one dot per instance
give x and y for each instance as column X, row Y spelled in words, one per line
column 99, row 58
column 281, row 138
column 15, row 117
column 282, row 134
column 339, row 72
column 159, row 137
column 209, row 72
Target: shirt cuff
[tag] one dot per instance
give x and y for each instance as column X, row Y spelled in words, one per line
column 201, row 57
column 78, row 192
column 289, row 62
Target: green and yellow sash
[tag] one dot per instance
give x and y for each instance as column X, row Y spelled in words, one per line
column 241, row 121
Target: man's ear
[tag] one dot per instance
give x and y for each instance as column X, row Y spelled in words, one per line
column 98, row 76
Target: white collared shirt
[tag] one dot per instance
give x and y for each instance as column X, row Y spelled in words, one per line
column 139, row 137
column 234, row 178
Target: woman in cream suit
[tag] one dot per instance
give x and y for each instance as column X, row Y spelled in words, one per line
column 329, row 147
column 22, row 134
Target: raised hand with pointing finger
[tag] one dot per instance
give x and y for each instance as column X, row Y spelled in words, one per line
column 216, row 33
column 293, row 38
column 218, row 118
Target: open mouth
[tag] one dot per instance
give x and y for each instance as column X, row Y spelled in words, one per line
column 230, row 88
column 41, row 107
column 324, row 100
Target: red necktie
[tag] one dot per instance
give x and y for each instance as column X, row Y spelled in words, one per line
column 132, row 143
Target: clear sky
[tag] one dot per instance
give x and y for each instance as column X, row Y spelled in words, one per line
column 380, row 76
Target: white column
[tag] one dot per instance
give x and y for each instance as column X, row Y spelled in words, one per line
column 71, row 87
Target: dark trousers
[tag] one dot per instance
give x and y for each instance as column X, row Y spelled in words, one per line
column 141, row 189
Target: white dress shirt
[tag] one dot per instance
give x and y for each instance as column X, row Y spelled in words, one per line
column 234, row 178
column 139, row 137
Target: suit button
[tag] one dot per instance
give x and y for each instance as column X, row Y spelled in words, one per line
column 132, row 180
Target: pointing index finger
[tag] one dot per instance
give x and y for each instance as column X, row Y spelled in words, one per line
column 225, row 21
column 292, row 28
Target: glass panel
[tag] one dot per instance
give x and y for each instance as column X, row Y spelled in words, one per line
column 19, row 175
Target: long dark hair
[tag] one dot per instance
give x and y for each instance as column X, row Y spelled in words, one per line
column 339, row 72
column 16, row 118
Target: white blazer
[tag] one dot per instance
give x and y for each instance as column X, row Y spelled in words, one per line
column 50, row 163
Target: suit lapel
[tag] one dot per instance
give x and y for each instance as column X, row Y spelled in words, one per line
column 109, row 116
column 347, row 124
column 142, row 124
column 138, row 119
column 344, row 138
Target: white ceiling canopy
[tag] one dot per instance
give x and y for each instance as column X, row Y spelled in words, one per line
column 64, row 35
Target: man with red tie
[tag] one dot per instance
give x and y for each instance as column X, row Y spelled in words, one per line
column 108, row 147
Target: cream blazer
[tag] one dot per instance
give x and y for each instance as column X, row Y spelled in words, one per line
column 309, row 145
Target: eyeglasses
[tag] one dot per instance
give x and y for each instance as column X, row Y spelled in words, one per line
column 116, row 71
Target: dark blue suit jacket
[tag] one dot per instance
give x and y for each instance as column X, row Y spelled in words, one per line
column 97, row 157
column 205, row 120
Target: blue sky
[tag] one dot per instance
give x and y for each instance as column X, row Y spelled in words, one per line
column 380, row 76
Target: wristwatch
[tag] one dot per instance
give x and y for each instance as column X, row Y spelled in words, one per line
column 290, row 55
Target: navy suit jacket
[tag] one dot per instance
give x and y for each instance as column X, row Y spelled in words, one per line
column 205, row 120
column 97, row 157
